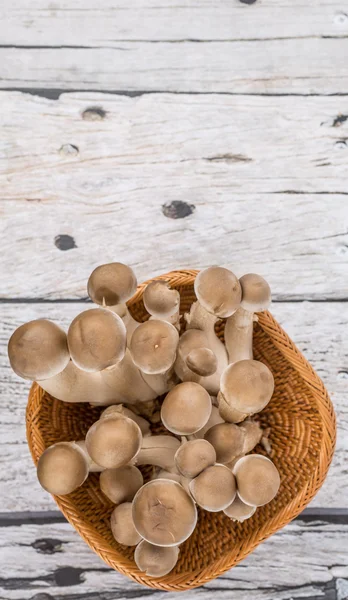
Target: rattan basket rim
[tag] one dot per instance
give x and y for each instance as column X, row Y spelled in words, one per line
column 181, row 582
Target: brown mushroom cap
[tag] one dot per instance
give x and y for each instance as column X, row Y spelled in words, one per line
column 155, row 561
column 256, row 293
column 111, row 284
column 193, row 457
column 214, row 489
column 246, row 388
column 186, row 408
column 113, row 443
column 160, row 300
column 121, row 485
column 239, row 511
column 202, row 361
column 153, row 346
column 218, row 291
column 228, row 441
column 62, row 468
column 257, row 478
column 97, row 339
column 122, row 525
column 38, row 350
column 163, row 513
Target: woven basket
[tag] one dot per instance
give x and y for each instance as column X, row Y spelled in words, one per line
column 303, row 432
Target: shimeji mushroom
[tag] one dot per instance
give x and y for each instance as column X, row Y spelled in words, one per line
column 155, row 561
column 256, row 297
column 193, row 457
column 153, row 349
column 191, row 342
column 121, row 485
column 214, row 489
column 63, row 467
column 202, row 361
column 163, row 513
column 96, row 339
column 228, row 441
column 38, row 350
column 246, row 388
column 159, row 451
column 162, row 302
column 239, row 511
column 110, row 286
column 113, row 442
column 119, row 410
column 122, row 525
column 218, row 291
column 257, row 478
column 186, row 408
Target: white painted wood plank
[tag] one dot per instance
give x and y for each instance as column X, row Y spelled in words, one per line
column 87, row 23
column 301, row 66
column 304, row 560
column 267, row 177
column 319, row 329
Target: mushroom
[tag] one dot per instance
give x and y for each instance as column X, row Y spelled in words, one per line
column 256, row 297
column 97, row 339
column 118, row 410
column 121, row 485
column 38, row 350
column 257, row 478
column 246, row 388
column 214, row 419
column 155, row 561
column 159, row 451
column 218, row 291
column 153, row 349
column 163, row 513
column 214, row 489
column 122, row 525
column 191, row 342
column 228, row 441
column 239, row 511
column 62, row 468
column 202, row 361
column 193, row 457
column 110, row 286
column 162, row 302
column 113, row 442
column 186, row 408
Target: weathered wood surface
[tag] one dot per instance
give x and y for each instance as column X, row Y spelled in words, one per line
column 319, row 329
column 46, row 562
column 88, row 23
column 286, row 66
column 265, row 181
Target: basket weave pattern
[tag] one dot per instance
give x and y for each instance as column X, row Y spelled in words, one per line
column 303, row 433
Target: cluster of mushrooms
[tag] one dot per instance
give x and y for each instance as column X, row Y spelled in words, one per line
column 211, row 391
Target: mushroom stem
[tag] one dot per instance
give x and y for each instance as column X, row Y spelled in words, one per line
column 160, row 383
column 214, row 419
column 158, row 450
column 121, row 411
column 130, row 323
column 239, row 335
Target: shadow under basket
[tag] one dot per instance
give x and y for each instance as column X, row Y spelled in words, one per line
column 302, row 424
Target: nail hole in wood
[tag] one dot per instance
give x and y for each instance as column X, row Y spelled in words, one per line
column 94, row 113
column 177, row 209
column 66, row 576
column 47, row 546
column 69, row 150
column 64, row 242
column 247, row 1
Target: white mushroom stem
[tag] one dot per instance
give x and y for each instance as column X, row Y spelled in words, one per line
column 239, row 335
column 122, row 411
column 130, row 323
column 199, row 318
column 160, row 383
column 214, row 419
column 159, row 451
column 92, row 466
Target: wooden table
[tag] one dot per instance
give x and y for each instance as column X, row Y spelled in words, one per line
column 164, row 135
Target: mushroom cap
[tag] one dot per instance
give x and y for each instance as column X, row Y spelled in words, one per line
column 62, row 468
column 119, row 410
column 214, row 489
column 193, row 457
column 153, row 346
column 202, row 361
column 239, row 511
column 121, row 485
column 97, row 339
column 155, row 561
column 163, row 513
column 122, row 525
column 228, row 441
column 160, row 300
column 257, row 478
column 113, row 443
column 218, row 291
column 186, row 408
column 38, row 350
column 111, row 284
column 256, row 293
column 246, row 386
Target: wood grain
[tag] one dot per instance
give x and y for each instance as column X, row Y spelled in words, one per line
column 263, row 182
column 51, row 561
column 286, row 66
column 318, row 329
column 58, row 24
